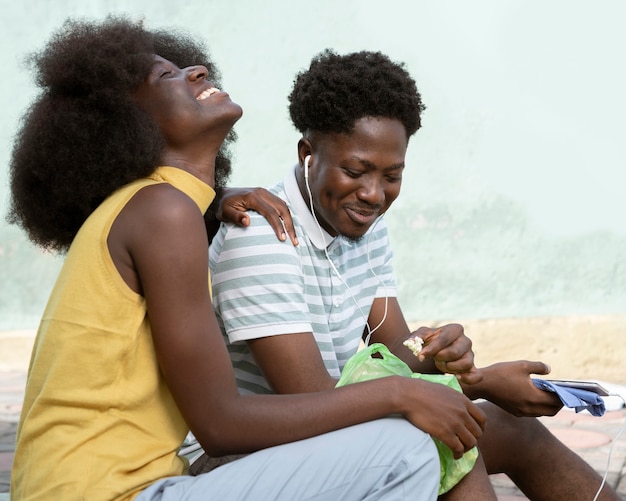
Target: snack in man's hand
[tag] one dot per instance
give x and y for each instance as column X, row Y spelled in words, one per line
column 414, row 344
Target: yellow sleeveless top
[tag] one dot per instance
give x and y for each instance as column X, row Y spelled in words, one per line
column 98, row 421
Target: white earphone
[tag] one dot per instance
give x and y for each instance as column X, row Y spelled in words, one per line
column 306, row 166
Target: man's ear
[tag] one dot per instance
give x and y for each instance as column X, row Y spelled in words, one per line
column 304, row 150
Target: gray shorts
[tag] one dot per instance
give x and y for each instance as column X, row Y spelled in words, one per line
column 386, row 459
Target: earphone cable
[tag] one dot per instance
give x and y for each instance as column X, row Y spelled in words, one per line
column 334, row 268
column 608, row 461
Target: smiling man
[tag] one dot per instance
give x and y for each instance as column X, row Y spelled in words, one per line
column 293, row 316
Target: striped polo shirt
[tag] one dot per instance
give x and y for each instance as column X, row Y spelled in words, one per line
column 265, row 287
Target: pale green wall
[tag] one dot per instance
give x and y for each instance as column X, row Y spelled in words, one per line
column 513, row 198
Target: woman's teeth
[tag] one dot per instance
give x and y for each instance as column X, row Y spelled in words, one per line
column 207, row 93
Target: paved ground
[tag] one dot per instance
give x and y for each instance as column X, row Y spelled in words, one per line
column 591, row 437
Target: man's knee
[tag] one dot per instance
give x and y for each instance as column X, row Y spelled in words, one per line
column 511, row 442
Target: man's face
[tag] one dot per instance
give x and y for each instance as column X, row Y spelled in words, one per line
column 355, row 178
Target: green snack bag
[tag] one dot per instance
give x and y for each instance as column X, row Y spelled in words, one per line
column 362, row 366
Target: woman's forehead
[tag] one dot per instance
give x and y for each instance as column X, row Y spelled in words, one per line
column 161, row 60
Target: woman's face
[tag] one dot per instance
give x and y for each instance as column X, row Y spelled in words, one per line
column 185, row 104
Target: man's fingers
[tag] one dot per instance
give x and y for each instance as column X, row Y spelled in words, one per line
column 539, row 368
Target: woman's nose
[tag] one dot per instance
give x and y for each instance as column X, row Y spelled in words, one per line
column 197, row 72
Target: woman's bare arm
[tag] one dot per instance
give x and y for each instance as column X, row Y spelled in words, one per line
column 163, row 232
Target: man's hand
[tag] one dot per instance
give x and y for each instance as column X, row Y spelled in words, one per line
column 509, row 386
column 451, row 350
column 235, row 202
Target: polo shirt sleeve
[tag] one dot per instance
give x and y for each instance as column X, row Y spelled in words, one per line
column 257, row 280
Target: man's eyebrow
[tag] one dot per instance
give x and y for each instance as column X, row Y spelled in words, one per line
column 371, row 165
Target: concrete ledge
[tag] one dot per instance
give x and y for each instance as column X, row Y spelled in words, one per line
column 576, row 347
column 15, row 349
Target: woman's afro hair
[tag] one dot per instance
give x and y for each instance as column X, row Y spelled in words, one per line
column 83, row 136
column 337, row 90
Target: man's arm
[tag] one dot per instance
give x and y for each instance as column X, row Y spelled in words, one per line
column 292, row 363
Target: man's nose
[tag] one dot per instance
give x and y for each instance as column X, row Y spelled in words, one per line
column 372, row 192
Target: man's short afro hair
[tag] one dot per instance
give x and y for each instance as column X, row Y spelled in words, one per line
column 337, row 90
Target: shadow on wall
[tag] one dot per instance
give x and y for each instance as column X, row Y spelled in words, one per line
column 485, row 261
column 27, row 275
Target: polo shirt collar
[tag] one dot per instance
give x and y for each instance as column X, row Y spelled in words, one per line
column 320, row 240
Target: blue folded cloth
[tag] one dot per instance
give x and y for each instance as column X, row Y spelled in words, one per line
column 574, row 397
